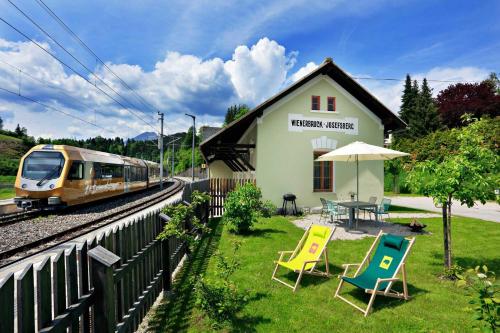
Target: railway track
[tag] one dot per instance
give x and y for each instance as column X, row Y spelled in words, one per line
column 16, row 254
column 12, row 218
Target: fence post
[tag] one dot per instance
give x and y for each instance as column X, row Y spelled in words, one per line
column 102, row 262
column 167, row 276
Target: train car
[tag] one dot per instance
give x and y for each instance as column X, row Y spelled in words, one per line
column 55, row 176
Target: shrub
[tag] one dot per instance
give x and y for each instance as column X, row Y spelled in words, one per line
column 241, row 208
column 485, row 299
column 183, row 222
column 268, row 209
column 219, row 298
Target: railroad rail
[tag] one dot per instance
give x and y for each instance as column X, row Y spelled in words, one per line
column 12, row 218
column 19, row 253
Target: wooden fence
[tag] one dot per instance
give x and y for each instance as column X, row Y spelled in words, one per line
column 107, row 285
column 218, row 190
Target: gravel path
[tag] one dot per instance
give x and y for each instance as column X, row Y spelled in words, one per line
column 370, row 228
column 25, row 232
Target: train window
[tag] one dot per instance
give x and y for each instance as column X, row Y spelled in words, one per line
column 43, row 165
column 106, row 171
column 76, row 171
column 118, row 171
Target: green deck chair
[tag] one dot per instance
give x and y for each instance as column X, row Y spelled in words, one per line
column 381, row 270
column 307, row 254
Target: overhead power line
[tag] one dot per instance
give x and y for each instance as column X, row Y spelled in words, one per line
column 44, row 6
column 52, row 86
column 90, row 71
column 53, row 108
column 402, row 80
column 74, row 71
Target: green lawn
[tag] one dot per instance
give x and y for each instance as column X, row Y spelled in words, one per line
column 7, row 179
column 437, row 305
column 402, row 209
column 7, row 193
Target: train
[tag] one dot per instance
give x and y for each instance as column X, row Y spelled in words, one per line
column 58, row 176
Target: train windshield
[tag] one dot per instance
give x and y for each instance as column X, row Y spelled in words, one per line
column 43, row 165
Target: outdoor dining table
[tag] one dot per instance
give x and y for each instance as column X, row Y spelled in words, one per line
column 353, row 205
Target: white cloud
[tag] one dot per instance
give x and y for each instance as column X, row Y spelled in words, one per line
column 303, row 71
column 260, row 71
column 177, row 84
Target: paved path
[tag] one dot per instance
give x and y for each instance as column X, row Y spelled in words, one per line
column 366, row 228
column 489, row 212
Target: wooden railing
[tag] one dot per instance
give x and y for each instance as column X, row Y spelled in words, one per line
column 107, row 285
column 218, row 190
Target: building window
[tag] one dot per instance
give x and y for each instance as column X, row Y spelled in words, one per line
column 315, row 103
column 331, row 104
column 323, row 174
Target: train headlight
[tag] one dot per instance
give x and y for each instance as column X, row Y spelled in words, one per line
column 51, row 186
column 24, row 186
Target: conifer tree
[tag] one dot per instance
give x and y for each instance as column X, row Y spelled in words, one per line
column 406, row 99
column 424, row 119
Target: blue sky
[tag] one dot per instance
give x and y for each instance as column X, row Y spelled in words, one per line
column 202, row 56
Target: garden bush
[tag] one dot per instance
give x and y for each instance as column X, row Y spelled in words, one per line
column 219, row 298
column 241, row 208
column 268, row 209
column 180, row 215
column 484, row 292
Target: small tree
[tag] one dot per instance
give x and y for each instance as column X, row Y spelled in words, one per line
column 468, row 174
column 1, row 123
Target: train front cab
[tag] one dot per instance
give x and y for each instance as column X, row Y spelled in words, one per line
column 39, row 181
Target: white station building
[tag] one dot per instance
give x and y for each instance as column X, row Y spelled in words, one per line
column 278, row 141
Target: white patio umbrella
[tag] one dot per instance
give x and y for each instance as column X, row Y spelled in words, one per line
column 360, row 151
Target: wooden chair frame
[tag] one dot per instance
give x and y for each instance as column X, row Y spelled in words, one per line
column 302, row 271
column 388, row 291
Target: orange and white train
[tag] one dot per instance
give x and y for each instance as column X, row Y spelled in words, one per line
column 55, row 176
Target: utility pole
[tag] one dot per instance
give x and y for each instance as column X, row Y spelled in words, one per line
column 160, row 146
column 173, row 154
column 192, row 146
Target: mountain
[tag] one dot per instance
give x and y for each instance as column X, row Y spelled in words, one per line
column 146, row 136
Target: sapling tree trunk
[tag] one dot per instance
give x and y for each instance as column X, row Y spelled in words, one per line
column 396, row 183
column 447, row 232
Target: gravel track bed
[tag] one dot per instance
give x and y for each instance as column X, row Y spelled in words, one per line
column 28, row 231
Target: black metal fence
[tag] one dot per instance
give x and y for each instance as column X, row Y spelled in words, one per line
column 107, row 285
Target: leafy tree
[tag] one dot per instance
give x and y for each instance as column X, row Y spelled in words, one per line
column 494, row 81
column 1, row 123
column 469, row 173
column 476, row 99
column 235, row 112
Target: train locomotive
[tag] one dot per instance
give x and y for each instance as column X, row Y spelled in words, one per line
column 57, row 176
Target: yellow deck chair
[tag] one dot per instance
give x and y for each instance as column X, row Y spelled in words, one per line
column 307, row 254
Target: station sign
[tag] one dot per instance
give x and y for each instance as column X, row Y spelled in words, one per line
column 300, row 123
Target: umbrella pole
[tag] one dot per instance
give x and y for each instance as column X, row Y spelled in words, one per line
column 357, row 191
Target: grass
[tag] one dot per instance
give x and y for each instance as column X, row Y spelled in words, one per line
column 7, row 193
column 402, row 209
column 437, row 305
column 9, row 138
column 7, row 179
